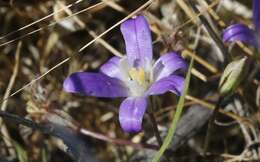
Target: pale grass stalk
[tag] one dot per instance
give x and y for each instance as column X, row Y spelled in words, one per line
column 41, row 19
column 115, row 6
column 200, row 60
column 211, row 106
column 213, row 13
column 92, row 33
column 4, row 131
column 204, row 63
column 52, row 24
column 199, row 75
column 117, row 24
column 187, row 10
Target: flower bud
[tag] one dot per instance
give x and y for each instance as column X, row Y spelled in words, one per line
column 232, row 76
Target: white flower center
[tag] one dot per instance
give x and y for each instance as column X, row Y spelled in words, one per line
column 138, row 80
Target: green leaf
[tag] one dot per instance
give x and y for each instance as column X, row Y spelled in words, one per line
column 176, row 118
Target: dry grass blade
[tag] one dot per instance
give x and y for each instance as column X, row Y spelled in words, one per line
column 92, row 33
column 52, row 24
column 199, row 75
column 41, row 19
column 187, row 10
column 117, row 24
column 4, row 130
column 211, row 106
column 200, row 60
column 36, row 79
column 115, row 6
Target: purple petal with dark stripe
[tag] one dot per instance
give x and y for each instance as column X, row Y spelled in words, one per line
column 256, row 15
column 95, row 84
column 240, row 32
column 138, row 41
column 173, row 83
column 168, row 64
column 111, row 68
column 131, row 113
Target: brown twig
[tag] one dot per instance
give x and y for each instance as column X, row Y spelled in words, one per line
column 48, row 130
column 118, row 141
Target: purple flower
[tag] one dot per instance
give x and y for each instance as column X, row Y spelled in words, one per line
column 135, row 76
column 240, row 32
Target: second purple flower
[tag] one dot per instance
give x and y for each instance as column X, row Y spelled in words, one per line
column 240, row 32
column 134, row 76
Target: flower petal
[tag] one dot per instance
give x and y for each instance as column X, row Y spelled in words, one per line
column 95, row 84
column 112, row 68
column 173, row 83
column 131, row 113
column 138, row 41
column 240, row 32
column 256, row 15
column 167, row 64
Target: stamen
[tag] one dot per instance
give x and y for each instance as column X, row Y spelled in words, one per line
column 137, row 75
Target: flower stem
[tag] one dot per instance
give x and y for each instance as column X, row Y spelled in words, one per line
column 211, row 124
column 154, row 123
column 156, row 131
column 155, row 128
